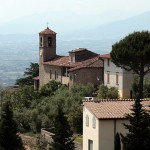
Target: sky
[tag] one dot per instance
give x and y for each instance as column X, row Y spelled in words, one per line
column 110, row 10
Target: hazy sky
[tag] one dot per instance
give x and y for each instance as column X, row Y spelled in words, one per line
column 113, row 9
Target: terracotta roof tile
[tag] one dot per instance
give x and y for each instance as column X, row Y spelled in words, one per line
column 109, row 109
column 105, row 56
column 62, row 61
column 77, row 50
column 47, row 31
column 36, row 78
column 94, row 62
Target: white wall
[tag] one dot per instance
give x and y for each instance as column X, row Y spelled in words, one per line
column 124, row 78
column 90, row 133
column 103, row 135
column 108, row 130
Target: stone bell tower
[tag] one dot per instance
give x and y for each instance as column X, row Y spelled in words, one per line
column 47, row 51
column 47, row 45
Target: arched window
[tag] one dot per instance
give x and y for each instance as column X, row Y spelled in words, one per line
column 49, row 41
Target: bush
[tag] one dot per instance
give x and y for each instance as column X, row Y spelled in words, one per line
column 107, row 93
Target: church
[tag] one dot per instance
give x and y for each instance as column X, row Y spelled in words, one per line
column 81, row 66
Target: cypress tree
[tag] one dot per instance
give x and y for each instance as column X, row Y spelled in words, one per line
column 63, row 136
column 117, row 142
column 138, row 137
column 9, row 139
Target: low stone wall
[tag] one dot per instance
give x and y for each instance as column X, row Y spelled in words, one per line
column 48, row 136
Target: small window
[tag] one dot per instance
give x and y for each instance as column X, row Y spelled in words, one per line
column 71, row 58
column 90, row 144
column 94, row 122
column 117, row 78
column 55, row 75
column 41, row 41
column 70, row 77
column 108, row 62
column 49, row 41
column 108, row 80
column 87, row 120
column 50, row 74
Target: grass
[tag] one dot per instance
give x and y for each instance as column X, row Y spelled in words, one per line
column 79, row 139
column 31, row 134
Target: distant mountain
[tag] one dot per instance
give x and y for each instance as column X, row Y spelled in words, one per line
column 72, row 34
column 70, row 25
column 61, row 22
column 114, row 30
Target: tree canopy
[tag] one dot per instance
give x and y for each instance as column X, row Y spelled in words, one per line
column 29, row 74
column 133, row 53
column 9, row 139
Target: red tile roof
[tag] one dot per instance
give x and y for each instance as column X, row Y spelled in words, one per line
column 77, row 50
column 47, row 31
column 105, row 56
column 62, row 61
column 36, row 78
column 112, row 109
column 94, row 62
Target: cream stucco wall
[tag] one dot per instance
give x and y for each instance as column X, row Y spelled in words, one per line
column 107, row 132
column 90, row 133
column 124, row 78
column 103, row 135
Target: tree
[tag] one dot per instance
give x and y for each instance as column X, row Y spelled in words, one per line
column 146, row 87
column 9, row 139
column 49, row 88
column 63, row 136
column 29, row 74
column 133, row 53
column 117, row 142
column 108, row 93
column 138, row 137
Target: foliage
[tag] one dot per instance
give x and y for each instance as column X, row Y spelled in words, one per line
column 146, row 87
column 75, row 118
column 63, row 136
column 9, row 139
column 49, row 88
column 139, row 129
column 117, row 142
column 29, row 74
column 41, row 143
column 133, row 53
column 34, row 110
column 108, row 93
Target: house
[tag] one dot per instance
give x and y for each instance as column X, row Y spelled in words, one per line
column 81, row 66
column 117, row 77
column 102, row 119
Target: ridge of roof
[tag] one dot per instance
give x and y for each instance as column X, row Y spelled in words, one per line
column 88, row 63
column 78, row 50
column 112, row 100
column 47, row 31
column 105, row 55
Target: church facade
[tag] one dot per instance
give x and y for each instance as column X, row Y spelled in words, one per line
column 81, row 66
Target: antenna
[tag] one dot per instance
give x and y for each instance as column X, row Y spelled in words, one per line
column 47, row 24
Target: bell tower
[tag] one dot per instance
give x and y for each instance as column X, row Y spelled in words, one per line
column 47, row 45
